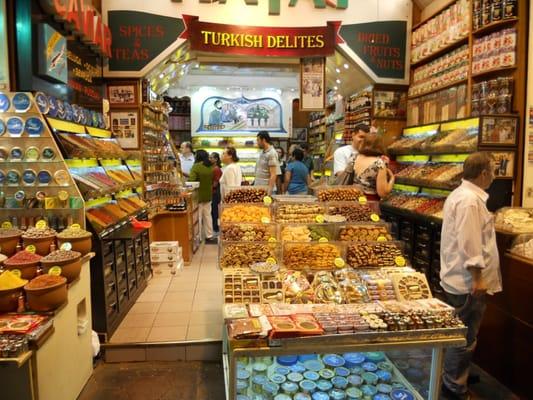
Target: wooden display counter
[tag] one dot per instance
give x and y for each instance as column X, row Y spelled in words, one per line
column 504, row 343
column 181, row 226
column 59, row 367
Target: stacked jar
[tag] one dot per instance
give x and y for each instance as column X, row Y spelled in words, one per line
column 493, row 97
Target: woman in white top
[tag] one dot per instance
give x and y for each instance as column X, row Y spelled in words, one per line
column 231, row 173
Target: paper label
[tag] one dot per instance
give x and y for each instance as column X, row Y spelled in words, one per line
column 75, row 226
column 16, row 272
column 41, row 224
column 267, row 200
column 55, row 270
column 323, row 240
column 362, row 200
column 67, row 246
column 31, row 248
column 272, row 239
column 374, row 217
column 7, row 225
column 265, row 220
column 319, row 218
column 400, row 261
column 271, row 261
column 382, row 239
column 339, row 262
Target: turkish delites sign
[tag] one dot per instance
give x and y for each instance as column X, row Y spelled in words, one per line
column 261, row 41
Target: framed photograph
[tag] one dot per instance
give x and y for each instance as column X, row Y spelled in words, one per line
column 125, row 126
column 505, row 161
column 299, row 135
column 498, row 131
column 312, row 84
column 123, row 93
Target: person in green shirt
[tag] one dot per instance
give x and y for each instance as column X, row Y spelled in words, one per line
column 202, row 171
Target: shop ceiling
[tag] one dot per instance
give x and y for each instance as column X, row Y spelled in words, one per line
column 186, row 70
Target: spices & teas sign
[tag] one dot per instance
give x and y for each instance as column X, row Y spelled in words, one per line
column 261, row 41
column 83, row 19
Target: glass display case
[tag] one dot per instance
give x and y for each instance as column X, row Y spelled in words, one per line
column 514, row 220
column 523, row 246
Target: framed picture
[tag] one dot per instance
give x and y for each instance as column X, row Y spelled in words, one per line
column 312, row 84
column 123, row 93
column 498, row 131
column 125, row 126
column 299, row 135
column 505, row 161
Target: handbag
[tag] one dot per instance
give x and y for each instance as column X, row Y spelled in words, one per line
column 345, row 178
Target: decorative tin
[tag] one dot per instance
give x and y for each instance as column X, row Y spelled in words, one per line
column 21, row 102
column 42, row 102
column 15, row 126
column 34, row 126
column 4, row 102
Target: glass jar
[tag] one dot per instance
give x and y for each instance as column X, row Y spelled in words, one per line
column 505, row 85
column 504, row 104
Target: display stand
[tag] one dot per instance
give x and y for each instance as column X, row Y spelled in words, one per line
column 436, row 340
column 65, row 352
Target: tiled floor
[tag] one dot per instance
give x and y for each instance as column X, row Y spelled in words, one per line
column 185, row 306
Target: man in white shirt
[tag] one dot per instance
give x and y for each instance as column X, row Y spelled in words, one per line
column 186, row 158
column 342, row 156
column 267, row 166
column 470, row 266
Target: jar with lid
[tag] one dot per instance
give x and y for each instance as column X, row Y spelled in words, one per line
column 506, row 85
column 504, row 104
column 509, row 9
column 496, row 10
column 475, row 108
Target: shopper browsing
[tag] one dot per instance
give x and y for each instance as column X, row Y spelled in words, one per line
column 214, row 158
column 343, row 156
column 267, row 166
column 297, row 178
column 371, row 174
column 231, row 173
column 308, row 160
column 469, row 263
column 202, row 171
column 186, row 158
column 283, row 166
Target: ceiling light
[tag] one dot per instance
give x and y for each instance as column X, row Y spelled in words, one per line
column 293, row 89
column 346, row 65
column 161, row 75
column 338, row 81
column 338, row 70
column 335, row 88
column 197, row 65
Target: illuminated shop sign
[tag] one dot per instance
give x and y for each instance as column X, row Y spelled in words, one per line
column 84, row 20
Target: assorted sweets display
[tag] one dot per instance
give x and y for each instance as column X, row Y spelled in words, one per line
column 487, row 12
column 444, row 175
column 417, row 203
column 494, row 51
column 514, row 220
column 251, row 194
column 493, row 97
column 523, row 246
column 443, row 105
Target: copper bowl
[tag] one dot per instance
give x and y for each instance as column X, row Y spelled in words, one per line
column 70, row 269
column 47, row 298
column 27, row 270
column 42, row 244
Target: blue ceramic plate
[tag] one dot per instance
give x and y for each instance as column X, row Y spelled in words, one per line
column 42, row 102
column 34, row 126
column 29, row 177
column 287, row 361
column 401, row 394
column 16, row 154
column 2, row 127
column 13, row 177
column 333, row 360
column 313, row 365
column 21, row 102
column 60, row 109
column 2, row 177
column 52, row 106
column 15, row 126
column 44, row 177
column 4, row 102
column 48, row 154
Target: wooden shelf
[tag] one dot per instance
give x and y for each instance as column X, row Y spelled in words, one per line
column 433, row 15
column 441, row 51
column 494, row 26
column 449, row 85
column 492, row 72
column 428, row 184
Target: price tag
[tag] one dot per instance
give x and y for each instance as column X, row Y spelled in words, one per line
column 7, row 225
column 75, row 226
column 400, row 261
column 55, row 270
column 339, row 262
column 374, row 217
column 265, row 220
column 272, row 239
column 67, row 246
column 319, row 219
column 271, row 261
column 267, row 200
column 323, row 240
column 382, row 239
column 16, row 272
column 31, row 248
column 362, row 200
column 41, row 224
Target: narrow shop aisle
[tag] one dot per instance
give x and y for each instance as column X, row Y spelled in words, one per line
column 185, row 306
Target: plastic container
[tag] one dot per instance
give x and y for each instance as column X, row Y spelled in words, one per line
column 298, row 213
column 235, row 213
column 313, row 255
column 246, row 194
column 337, row 193
column 309, row 232
column 364, row 231
column 376, row 254
column 353, row 211
column 248, row 232
column 245, row 254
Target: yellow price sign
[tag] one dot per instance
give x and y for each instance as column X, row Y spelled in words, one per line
column 362, row 200
column 382, row 239
column 7, row 225
column 339, row 262
column 272, row 239
column 41, row 224
column 323, row 240
column 55, row 270
column 271, row 261
column 31, row 248
column 265, row 220
column 400, row 261
column 67, row 246
column 267, row 200
column 75, row 226
column 320, row 219
column 16, row 272
column 374, row 217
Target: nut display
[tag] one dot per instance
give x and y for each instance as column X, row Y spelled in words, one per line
column 372, row 255
column 247, row 232
column 60, row 256
column 316, row 256
column 338, row 194
column 10, row 232
column 45, row 281
column 352, row 212
column 245, row 213
column 245, row 195
column 70, row 233
column 304, row 213
column 21, row 258
column 37, row 233
column 239, row 255
column 363, row 233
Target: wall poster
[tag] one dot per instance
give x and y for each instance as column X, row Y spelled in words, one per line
column 52, row 54
column 125, row 126
column 312, row 84
column 222, row 114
